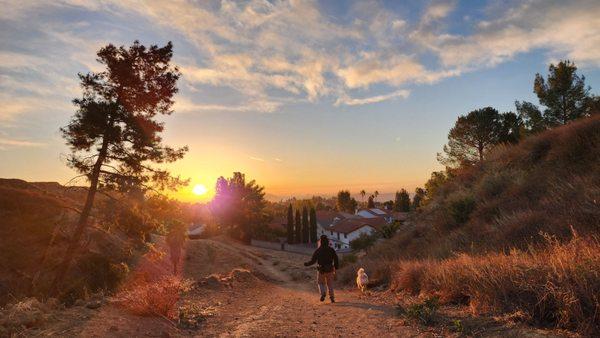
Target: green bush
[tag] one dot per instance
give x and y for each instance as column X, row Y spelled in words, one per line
column 363, row 242
column 460, row 207
column 423, row 313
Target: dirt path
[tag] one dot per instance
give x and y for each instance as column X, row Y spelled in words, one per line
column 243, row 291
column 285, row 302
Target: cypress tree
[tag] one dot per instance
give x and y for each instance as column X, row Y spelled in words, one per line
column 305, row 232
column 313, row 225
column 290, row 225
column 298, row 228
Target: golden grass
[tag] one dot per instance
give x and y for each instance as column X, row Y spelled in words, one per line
column 558, row 285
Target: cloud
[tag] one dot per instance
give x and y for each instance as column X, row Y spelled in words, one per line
column 403, row 93
column 8, row 142
column 437, row 11
column 563, row 29
column 258, row 159
column 274, row 53
column 278, row 160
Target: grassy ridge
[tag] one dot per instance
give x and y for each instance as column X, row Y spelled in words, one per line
column 499, row 235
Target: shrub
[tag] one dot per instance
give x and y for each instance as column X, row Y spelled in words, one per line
column 363, row 242
column 424, row 313
column 460, row 207
column 154, row 298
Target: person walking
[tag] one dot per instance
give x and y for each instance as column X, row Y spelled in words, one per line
column 327, row 263
column 175, row 239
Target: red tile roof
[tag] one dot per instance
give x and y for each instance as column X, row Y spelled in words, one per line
column 349, row 225
column 326, row 217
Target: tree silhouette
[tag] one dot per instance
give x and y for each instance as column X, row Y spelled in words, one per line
column 371, row 202
column 563, row 93
column 290, row 225
column 238, row 205
column 418, row 198
column 345, row 202
column 402, row 201
column 313, row 225
column 298, row 228
column 531, row 117
column 305, row 230
column 363, row 193
column 471, row 137
column 114, row 136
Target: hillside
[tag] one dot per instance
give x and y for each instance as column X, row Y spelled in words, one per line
column 517, row 233
column 36, row 224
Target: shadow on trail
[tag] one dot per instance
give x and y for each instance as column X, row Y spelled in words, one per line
column 364, row 306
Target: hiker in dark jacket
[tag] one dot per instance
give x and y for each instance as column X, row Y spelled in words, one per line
column 327, row 263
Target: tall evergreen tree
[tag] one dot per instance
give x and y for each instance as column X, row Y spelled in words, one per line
column 563, row 93
column 402, row 201
column 114, row 135
column 298, row 228
column 305, row 229
column 290, row 225
column 313, row 225
column 418, row 198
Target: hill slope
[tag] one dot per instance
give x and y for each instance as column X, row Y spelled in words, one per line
column 515, row 233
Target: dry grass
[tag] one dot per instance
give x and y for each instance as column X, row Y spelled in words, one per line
column 558, row 285
column 157, row 298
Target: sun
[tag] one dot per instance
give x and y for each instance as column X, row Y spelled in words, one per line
column 199, row 189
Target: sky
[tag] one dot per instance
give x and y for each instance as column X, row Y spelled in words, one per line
column 305, row 97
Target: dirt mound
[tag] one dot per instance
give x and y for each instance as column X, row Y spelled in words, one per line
column 236, row 278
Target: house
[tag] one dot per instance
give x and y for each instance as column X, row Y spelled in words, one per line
column 326, row 218
column 376, row 212
column 346, row 230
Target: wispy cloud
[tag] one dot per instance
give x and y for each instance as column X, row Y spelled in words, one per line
column 253, row 158
column 8, row 142
column 403, row 93
column 271, row 54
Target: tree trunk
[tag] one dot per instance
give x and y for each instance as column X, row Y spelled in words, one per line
column 64, row 266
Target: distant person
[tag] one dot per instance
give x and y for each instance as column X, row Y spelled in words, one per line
column 327, row 264
column 175, row 240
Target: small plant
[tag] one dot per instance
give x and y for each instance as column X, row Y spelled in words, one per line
column 423, row 313
column 191, row 316
column 457, row 326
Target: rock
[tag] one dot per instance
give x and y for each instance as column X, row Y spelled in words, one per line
column 212, row 281
column 79, row 302
column 113, row 328
column 93, row 304
column 242, row 275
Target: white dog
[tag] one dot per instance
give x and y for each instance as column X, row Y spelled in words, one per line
column 361, row 280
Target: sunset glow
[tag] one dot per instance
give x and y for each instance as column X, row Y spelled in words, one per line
column 199, row 189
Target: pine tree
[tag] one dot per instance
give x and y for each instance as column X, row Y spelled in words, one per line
column 114, row 136
column 305, row 230
column 290, row 225
column 298, row 228
column 313, row 225
column 564, row 93
column 402, row 201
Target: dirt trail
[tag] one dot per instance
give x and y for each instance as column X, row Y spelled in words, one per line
column 285, row 302
column 273, row 295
